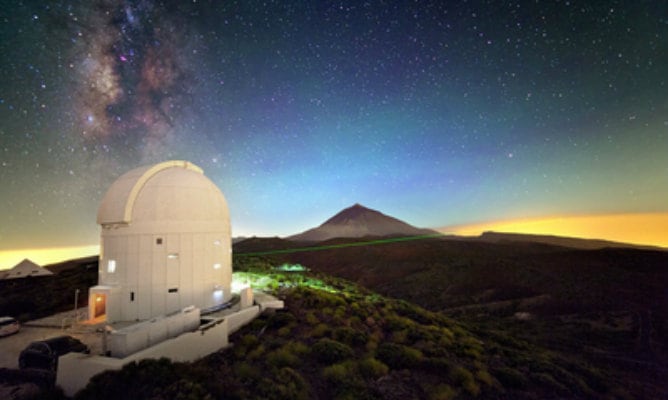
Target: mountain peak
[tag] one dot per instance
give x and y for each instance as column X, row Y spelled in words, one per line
column 358, row 221
column 353, row 212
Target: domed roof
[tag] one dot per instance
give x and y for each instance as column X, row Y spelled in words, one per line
column 168, row 191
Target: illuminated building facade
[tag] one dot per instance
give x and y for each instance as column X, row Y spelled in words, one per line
column 165, row 244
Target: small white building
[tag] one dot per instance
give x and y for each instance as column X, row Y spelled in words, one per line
column 165, row 244
column 24, row 269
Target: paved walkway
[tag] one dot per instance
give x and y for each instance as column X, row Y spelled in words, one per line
column 44, row 328
column 89, row 332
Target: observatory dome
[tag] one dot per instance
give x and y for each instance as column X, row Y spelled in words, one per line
column 174, row 191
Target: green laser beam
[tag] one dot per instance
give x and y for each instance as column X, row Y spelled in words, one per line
column 341, row 245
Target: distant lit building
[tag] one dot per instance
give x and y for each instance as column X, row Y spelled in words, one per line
column 25, row 269
column 165, row 244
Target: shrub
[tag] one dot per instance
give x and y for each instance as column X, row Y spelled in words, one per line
column 510, row 378
column 282, row 357
column 248, row 341
column 320, row 330
column 345, row 382
column 340, row 374
column 284, row 331
column 311, row 319
column 372, row 368
column 319, row 299
column 297, row 348
column 400, row 336
column 245, row 371
column 287, row 384
column 350, row 336
column 471, row 387
column 397, row 356
column 330, row 351
column 442, row 392
column 464, row 378
column 395, row 323
column 460, row 374
column 281, row 319
column 485, row 377
column 256, row 352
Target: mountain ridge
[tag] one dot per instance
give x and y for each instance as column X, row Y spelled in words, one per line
column 561, row 241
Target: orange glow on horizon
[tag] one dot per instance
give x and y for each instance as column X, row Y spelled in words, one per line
column 45, row 256
column 643, row 229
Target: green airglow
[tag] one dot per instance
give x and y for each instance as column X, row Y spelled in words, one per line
column 272, row 281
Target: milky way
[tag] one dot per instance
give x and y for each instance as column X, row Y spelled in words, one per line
column 438, row 113
column 133, row 83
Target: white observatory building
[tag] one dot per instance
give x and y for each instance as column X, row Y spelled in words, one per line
column 165, row 244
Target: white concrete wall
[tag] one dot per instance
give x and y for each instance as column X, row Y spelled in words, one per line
column 241, row 318
column 76, row 369
column 145, row 272
column 245, row 298
column 131, row 339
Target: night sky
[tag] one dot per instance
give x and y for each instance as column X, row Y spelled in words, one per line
column 438, row 113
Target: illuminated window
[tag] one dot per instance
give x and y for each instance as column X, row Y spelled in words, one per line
column 111, row 266
column 216, row 266
column 173, row 256
column 217, row 292
column 216, row 242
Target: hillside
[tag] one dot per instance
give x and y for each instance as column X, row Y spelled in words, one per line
column 336, row 340
column 508, row 321
column 358, row 221
column 606, row 307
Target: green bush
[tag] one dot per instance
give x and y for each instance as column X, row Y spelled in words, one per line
column 282, row 357
column 320, row 330
column 320, row 299
column 256, row 352
column 284, row 331
column 442, row 392
column 287, row 384
column 485, row 377
column 311, row 319
column 372, row 369
column 330, row 351
column 341, row 373
column 400, row 336
column 281, row 319
column 249, row 341
column 345, row 382
column 350, row 336
column 297, row 348
column 246, row 371
column 397, row 356
column 510, row 378
column 464, row 378
column 395, row 323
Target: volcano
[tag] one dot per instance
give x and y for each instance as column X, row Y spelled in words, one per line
column 359, row 221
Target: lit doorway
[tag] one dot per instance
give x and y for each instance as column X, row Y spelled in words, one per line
column 100, row 306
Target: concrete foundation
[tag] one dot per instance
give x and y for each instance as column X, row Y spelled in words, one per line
column 76, row 369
